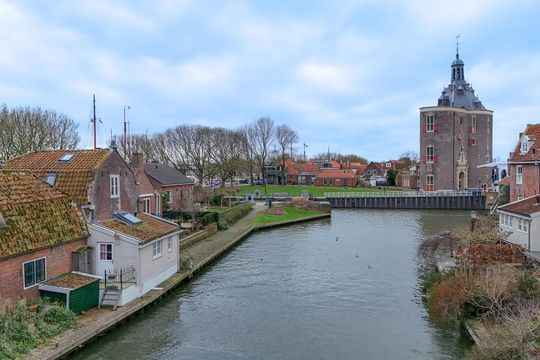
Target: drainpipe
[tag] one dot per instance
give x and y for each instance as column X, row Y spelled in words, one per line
column 529, row 235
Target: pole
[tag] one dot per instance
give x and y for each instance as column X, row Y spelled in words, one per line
column 305, row 146
column 94, row 121
column 125, row 134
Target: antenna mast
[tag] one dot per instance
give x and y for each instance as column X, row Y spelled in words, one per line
column 94, row 120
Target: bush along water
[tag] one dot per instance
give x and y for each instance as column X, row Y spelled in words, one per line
column 28, row 325
column 489, row 286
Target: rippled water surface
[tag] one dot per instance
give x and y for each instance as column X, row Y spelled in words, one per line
column 345, row 288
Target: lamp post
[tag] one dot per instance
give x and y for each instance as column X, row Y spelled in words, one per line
column 125, row 131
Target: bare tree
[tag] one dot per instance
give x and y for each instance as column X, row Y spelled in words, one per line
column 226, row 153
column 28, row 129
column 409, row 157
column 264, row 138
column 247, row 145
column 285, row 138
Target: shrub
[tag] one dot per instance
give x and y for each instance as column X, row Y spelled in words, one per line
column 447, row 300
column 433, row 278
column 223, row 225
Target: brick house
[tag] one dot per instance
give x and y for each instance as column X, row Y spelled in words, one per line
column 177, row 187
column 336, row 177
column 39, row 229
column 408, row 178
column 524, row 164
column 456, row 137
column 98, row 180
column 149, row 195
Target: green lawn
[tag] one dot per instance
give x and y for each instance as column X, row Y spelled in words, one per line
column 289, row 213
column 296, row 190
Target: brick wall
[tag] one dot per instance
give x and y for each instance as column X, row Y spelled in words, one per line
column 58, row 262
column 452, row 131
column 99, row 192
column 181, row 195
column 530, row 185
column 146, row 187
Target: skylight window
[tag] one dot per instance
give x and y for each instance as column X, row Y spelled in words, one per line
column 66, row 158
column 51, row 179
column 128, row 218
column 3, row 224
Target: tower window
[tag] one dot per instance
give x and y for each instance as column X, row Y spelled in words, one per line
column 429, row 154
column 473, row 124
column 519, row 174
column 429, row 123
column 430, row 180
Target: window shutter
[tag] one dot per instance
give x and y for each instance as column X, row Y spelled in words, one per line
column 435, row 158
column 423, row 160
column 470, row 141
column 470, row 129
column 436, row 127
column 424, row 127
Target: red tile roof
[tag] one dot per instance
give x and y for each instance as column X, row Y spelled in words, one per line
column 526, row 207
column 37, row 215
column 533, row 133
column 505, row 181
column 73, row 177
column 150, row 229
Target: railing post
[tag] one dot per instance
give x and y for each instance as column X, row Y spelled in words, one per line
column 121, row 280
column 105, row 273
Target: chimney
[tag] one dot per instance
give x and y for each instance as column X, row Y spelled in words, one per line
column 137, row 160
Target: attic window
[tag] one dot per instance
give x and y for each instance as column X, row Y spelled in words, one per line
column 128, row 218
column 524, row 145
column 66, row 158
column 3, row 224
column 51, row 178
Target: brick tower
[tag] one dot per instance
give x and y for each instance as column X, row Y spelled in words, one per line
column 455, row 137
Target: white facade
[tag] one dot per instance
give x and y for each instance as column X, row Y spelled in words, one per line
column 524, row 230
column 151, row 267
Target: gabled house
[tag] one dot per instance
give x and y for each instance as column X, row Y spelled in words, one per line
column 39, row 229
column 409, row 178
column 98, row 180
column 524, row 164
column 150, row 200
column 177, row 187
column 522, row 219
column 135, row 252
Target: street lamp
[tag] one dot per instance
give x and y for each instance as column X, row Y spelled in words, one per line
column 125, row 131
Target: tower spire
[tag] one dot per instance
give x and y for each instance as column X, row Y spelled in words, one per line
column 457, row 46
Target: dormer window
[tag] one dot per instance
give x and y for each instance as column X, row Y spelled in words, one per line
column 524, row 145
column 66, row 158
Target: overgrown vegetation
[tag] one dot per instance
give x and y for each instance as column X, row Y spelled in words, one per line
column 28, row 325
column 298, row 208
column 490, row 284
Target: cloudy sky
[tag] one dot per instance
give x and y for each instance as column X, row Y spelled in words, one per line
column 346, row 74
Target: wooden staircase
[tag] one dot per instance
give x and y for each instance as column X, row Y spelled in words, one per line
column 110, row 298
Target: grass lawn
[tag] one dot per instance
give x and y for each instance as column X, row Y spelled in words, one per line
column 296, row 190
column 289, row 213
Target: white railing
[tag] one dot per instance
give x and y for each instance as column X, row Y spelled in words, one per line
column 375, row 194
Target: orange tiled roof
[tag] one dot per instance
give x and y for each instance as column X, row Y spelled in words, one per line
column 525, row 207
column 151, row 227
column 308, row 167
column 37, row 215
column 505, row 181
column 335, row 173
column 73, row 177
column 533, row 132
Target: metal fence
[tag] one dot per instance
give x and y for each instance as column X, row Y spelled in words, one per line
column 393, row 194
column 120, row 277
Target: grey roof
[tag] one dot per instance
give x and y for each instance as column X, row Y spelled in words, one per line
column 459, row 93
column 166, row 175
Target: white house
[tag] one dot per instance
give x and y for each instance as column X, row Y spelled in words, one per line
column 134, row 253
column 522, row 218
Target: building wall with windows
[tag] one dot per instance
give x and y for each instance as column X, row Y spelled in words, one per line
column 100, row 192
column 524, row 180
column 57, row 262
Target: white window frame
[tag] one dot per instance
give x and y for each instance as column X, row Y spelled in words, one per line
column 106, row 251
column 114, row 186
column 432, row 183
column 169, row 196
column 473, row 125
column 519, row 174
column 146, row 204
column 430, row 123
column 169, row 244
column 523, row 225
column 51, row 178
column 156, row 249
column 35, row 280
column 524, row 145
column 430, row 155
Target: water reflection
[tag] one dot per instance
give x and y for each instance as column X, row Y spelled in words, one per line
column 333, row 289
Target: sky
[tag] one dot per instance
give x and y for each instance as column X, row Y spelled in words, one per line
column 346, row 75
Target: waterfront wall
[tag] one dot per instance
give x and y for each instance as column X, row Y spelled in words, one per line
column 194, row 238
column 410, row 202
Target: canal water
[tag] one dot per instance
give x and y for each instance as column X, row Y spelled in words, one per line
column 339, row 288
